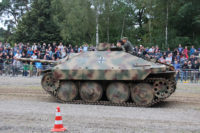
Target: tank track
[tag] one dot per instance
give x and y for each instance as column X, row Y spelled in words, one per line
column 108, row 103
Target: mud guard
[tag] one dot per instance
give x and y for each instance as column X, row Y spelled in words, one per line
column 46, row 71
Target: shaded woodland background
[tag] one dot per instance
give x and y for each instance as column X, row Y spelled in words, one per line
column 165, row 23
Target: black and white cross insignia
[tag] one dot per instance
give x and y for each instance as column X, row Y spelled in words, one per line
column 101, row 60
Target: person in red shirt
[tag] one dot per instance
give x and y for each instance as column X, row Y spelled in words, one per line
column 185, row 52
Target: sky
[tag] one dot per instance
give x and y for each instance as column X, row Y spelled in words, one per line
column 2, row 23
column 4, row 17
column 1, row 19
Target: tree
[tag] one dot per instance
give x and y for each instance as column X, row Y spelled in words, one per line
column 116, row 20
column 75, row 19
column 149, row 22
column 37, row 25
column 14, row 9
column 174, row 20
column 2, row 34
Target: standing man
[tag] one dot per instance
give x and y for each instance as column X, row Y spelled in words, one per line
column 1, row 64
column 8, row 63
column 128, row 47
column 16, row 63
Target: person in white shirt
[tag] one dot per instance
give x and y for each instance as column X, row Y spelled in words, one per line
column 61, row 47
column 169, row 59
column 18, row 55
column 151, row 50
column 63, row 53
column 85, row 47
column 34, row 47
column 16, row 63
column 162, row 59
column 34, row 56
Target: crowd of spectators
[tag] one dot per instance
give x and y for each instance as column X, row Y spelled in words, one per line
column 8, row 55
column 186, row 61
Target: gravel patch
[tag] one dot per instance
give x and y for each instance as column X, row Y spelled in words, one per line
column 26, row 108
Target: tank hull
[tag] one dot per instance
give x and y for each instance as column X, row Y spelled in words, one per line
column 112, row 78
column 104, row 65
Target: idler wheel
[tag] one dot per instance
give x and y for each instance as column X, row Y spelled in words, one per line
column 171, row 84
column 67, row 91
column 118, row 92
column 142, row 94
column 91, row 91
column 49, row 83
column 162, row 88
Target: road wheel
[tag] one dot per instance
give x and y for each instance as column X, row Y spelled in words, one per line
column 91, row 91
column 142, row 94
column 67, row 91
column 118, row 92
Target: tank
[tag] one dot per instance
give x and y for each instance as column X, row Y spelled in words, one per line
column 108, row 76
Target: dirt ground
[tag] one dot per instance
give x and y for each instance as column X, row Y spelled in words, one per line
column 26, row 108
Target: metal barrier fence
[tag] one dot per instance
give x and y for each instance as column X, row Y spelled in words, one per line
column 22, row 69
column 186, row 75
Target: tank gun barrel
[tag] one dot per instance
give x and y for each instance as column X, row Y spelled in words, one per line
column 37, row 60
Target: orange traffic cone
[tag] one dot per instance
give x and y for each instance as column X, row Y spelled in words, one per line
column 58, row 126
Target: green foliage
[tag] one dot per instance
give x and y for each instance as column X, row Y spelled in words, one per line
column 2, row 32
column 74, row 21
column 183, row 22
column 37, row 25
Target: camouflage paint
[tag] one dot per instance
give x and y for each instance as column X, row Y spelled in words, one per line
column 105, row 65
column 67, row 91
column 90, row 91
column 103, row 46
column 142, row 93
column 117, row 92
column 37, row 60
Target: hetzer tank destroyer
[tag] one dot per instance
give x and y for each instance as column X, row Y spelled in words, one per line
column 109, row 77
